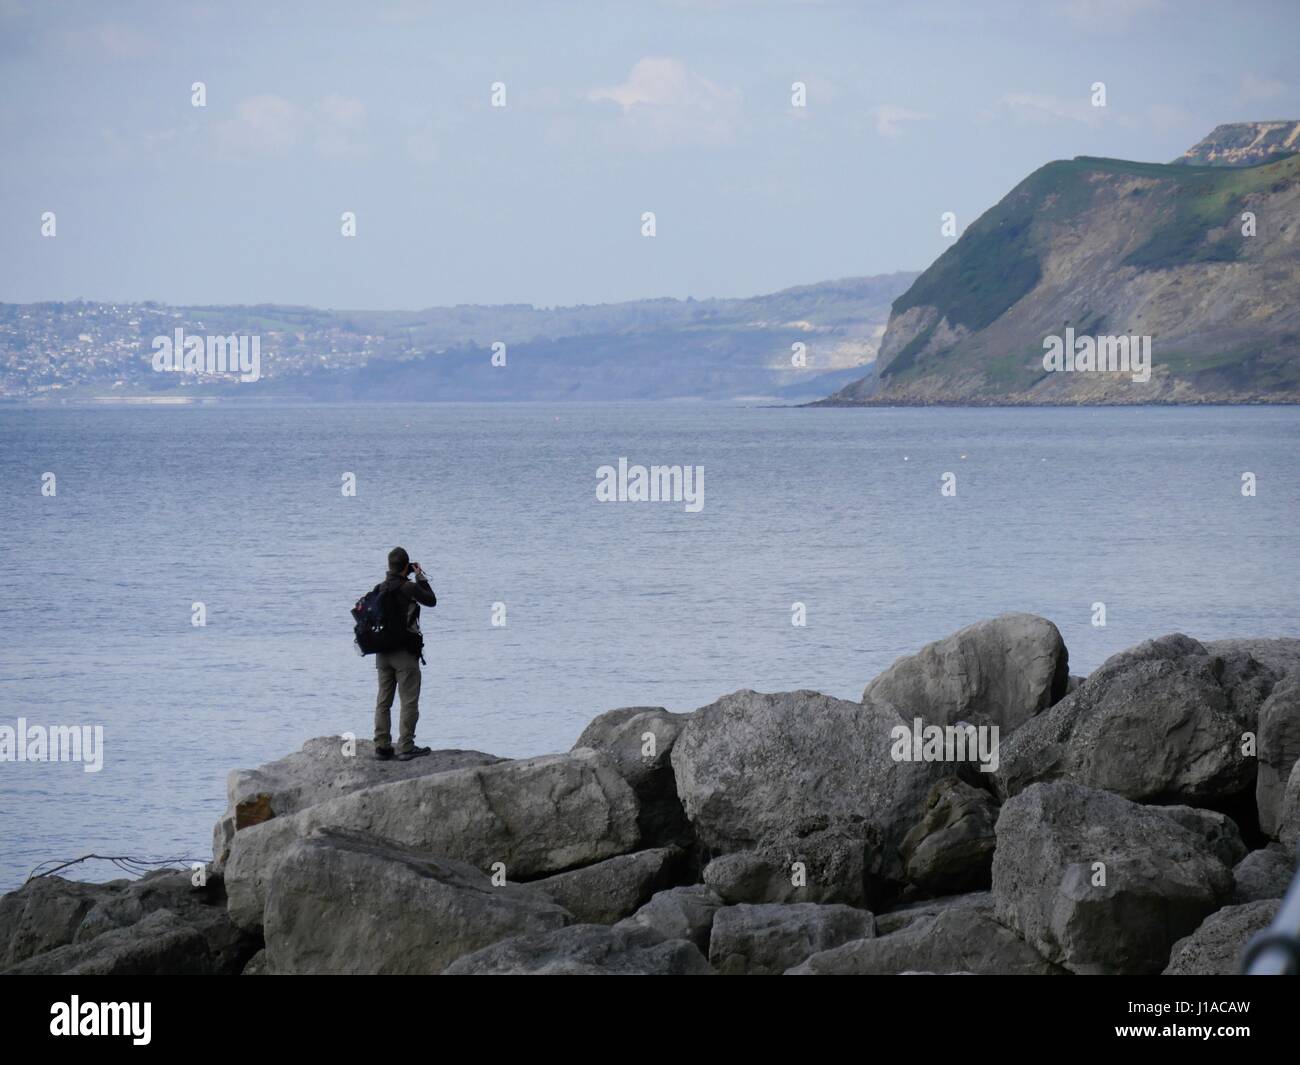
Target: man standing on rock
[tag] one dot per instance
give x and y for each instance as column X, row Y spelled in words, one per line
column 399, row 671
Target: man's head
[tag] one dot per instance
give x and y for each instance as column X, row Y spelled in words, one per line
column 398, row 561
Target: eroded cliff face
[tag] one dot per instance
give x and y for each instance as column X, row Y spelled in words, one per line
column 1204, row 261
column 1244, row 144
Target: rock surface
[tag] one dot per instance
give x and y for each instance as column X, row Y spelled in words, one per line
column 767, row 940
column 1158, row 722
column 161, row 943
column 639, row 740
column 679, row 913
column 804, row 775
column 586, row 950
column 958, row 940
column 42, row 915
column 950, row 849
column 535, row 815
column 1279, row 750
column 999, row 672
column 910, row 913
column 322, row 770
column 49, row 913
column 1281, row 655
column 1262, row 874
column 1099, row 884
column 342, row 902
column 1214, row 949
column 1288, row 828
column 613, row 889
column 1219, row 831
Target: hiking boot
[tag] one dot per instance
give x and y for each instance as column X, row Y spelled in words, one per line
column 413, row 752
column 384, row 754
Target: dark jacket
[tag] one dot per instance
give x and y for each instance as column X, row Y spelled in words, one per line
column 414, row 593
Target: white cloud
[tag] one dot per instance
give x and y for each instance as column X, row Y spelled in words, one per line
column 889, row 118
column 1255, row 89
column 1045, row 109
column 264, row 125
column 662, row 102
column 338, row 122
column 110, row 41
column 1107, row 15
column 272, row 125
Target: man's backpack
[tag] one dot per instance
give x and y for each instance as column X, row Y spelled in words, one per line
column 380, row 621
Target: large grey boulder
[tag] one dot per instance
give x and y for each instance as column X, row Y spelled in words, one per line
column 639, row 740
column 324, row 769
column 48, row 913
column 1214, row 949
column 997, row 672
column 341, row 902
column 1263, row 874
column 1157, row 722
column 1279, row 750
column 1100, row 884
column 957, row 940
column 950, row 849
column 535, row 816
column 805, row 775
column 769, row 939
column 586, row 950
column 613, row 889
column 160, row 945
column 679, row 913
column 909, row 913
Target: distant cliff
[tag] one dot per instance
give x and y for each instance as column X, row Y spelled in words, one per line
column 1244, row 144
column 1203, row 260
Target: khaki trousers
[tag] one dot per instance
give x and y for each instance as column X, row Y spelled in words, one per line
column 399, row 671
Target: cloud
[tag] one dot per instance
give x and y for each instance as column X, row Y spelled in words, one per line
column 1107, row 15
column 1255, row 89
column 264, row 125
column 1038, row 109
column 338, row 122
column 270, row 125
column 889, row 119
column 111, row 42
column 663, row 103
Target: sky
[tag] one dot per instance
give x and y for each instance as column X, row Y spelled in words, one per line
column 685, row 109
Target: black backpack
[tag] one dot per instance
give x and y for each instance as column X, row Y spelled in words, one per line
column 380, row 621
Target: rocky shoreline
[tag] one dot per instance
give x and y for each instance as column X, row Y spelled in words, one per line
column 1143, row 819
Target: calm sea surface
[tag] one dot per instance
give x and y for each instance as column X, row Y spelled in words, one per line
column 606, row 604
